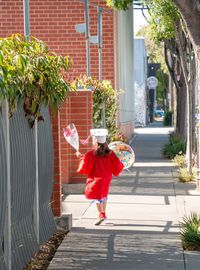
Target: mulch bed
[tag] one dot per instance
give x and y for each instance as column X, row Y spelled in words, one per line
column 41, row 260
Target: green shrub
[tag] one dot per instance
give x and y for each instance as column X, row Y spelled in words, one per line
column 190, row 232
column 185, row 176
column 175, row 138
column 171, row 150
column 103, row 95
column 175, row 146
column 119, row 4
column 30, row 73
column 167, row 121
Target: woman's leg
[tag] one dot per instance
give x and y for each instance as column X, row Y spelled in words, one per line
column 98, row 207
column 103, row 207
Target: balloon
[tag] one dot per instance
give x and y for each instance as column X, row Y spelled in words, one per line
column 71, row 135
column 86, row 141
column 124, row 152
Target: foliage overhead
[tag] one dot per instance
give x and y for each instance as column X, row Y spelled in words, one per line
column 163, row 17
column 164, row 14
column 29, row 72
column 119, row 4
column 155, row 53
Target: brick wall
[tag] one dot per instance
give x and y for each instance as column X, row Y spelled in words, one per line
column 78, row 110
column 54, row 22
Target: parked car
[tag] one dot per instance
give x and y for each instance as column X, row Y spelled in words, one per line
column 159, row 113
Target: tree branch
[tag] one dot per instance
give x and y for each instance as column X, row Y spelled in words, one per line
column 171, row 70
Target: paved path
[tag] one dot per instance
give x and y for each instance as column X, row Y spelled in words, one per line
column 144, row 209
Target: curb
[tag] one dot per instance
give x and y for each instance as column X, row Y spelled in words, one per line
column 132, row 139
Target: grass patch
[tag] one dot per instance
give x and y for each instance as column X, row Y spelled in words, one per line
column 190, row 232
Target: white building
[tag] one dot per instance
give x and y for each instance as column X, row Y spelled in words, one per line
column 140, row 79
column 125, row 70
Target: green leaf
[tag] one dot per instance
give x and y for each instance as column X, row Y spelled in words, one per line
column 29, row 70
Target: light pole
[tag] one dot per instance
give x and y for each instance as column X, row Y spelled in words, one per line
column 99, row 9
column 87, row 36
column 26, row 20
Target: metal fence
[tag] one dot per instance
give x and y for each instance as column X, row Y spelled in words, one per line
column 18, row 232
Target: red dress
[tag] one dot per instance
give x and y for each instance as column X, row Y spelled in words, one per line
column 99, row 171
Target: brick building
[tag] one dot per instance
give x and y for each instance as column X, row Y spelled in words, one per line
column 53, row 21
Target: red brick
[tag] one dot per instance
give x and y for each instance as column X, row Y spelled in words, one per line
column 54, row 22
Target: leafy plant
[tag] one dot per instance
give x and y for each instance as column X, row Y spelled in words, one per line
column 168, row 119
column 119, row 4
column 163, row 17
column 175, row 146
column 171, row 150
column 185, row 176
column 103, row 95
column 156, row 55
column 32, row 74
column 179, row 160
column 190, row 232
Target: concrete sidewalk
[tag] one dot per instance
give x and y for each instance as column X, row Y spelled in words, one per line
column 145, row 206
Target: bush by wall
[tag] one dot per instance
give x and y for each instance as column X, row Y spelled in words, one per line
column 168, row 119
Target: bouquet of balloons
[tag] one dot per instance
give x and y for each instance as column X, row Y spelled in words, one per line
column 123, row 151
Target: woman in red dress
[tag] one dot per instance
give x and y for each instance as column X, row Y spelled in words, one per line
column 99, row 165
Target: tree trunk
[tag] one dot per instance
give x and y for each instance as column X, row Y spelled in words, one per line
column 181, row 40
column 197, row 55
column 190, row 11
column 172, row 59
column 181, row 117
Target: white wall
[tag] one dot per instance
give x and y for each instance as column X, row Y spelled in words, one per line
column 140, row 77
column 125, row 66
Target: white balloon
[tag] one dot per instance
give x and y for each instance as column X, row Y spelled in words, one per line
column 124, row 152
column 71, row 135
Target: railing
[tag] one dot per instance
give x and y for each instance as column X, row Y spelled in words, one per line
column 18, row 241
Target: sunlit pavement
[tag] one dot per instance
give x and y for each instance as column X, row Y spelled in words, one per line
column 145, row 206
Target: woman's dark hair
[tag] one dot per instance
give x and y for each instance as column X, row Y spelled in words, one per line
column 102, row 150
